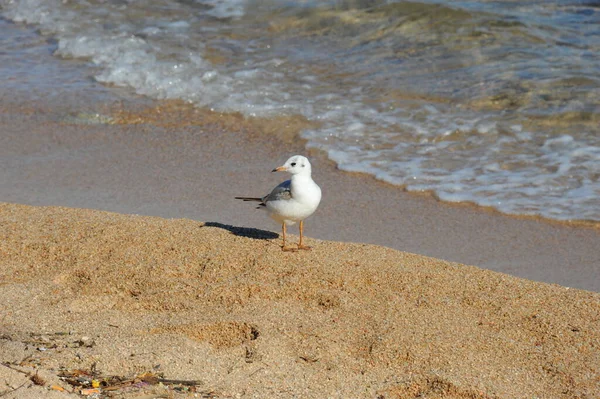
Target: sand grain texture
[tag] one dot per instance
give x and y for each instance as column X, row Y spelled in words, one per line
column 225, row 306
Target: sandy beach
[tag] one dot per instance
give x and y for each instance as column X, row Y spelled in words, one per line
column 202, row 302
column 128, row 270
column 225, row 311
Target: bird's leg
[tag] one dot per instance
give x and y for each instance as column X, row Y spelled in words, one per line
column 300, row 244
column 283, row 230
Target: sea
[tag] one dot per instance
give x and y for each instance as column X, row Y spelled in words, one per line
column 495, row 103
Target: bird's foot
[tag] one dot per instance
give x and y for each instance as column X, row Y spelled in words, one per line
column 289, row 249
column 306, row 247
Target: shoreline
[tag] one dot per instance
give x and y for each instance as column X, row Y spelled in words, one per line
column 193, row 168
column 73, row 142
column 286, row 130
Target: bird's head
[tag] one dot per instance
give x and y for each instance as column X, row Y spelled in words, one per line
column 295, row 165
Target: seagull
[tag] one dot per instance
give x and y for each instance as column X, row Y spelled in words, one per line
column 293, row 200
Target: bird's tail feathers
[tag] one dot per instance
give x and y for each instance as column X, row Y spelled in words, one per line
column 249, row 199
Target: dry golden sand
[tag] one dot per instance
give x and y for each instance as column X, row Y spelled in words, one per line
column 226, row 307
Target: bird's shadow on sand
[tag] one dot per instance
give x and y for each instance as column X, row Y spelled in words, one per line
column 244, row 231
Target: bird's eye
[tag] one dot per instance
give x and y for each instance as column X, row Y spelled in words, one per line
column 293, row 163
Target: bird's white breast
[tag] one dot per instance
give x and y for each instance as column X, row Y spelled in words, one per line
column 305, row 198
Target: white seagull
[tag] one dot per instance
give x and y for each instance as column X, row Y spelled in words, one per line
column 293, row 200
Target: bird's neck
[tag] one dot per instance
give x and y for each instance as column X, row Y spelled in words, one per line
column 301, row 177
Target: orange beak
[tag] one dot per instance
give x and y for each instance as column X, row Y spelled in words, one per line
column 279, row 169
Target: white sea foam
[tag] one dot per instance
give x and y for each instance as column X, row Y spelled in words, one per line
column 225, row 8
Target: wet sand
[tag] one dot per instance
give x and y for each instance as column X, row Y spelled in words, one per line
column 218, row 311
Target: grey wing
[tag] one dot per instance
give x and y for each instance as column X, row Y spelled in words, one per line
column 281, row 192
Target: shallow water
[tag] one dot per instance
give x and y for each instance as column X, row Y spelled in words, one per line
column 491, row 102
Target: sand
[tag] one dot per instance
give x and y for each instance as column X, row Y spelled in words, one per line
column 225, row 307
